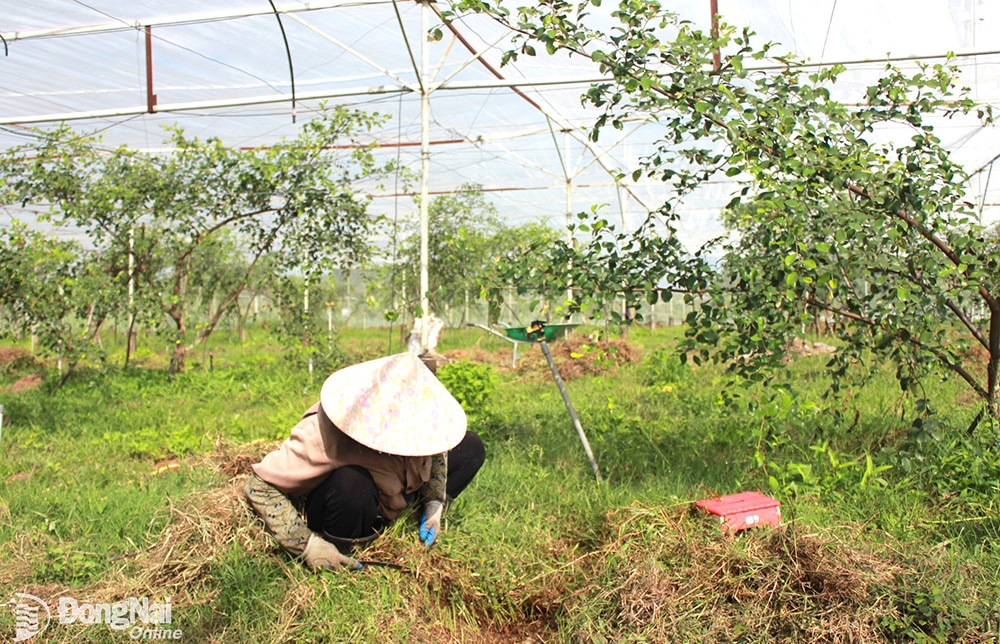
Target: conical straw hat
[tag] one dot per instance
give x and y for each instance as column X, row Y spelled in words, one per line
column 394, row 405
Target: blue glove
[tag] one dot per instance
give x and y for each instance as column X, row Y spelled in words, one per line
column 430, row 522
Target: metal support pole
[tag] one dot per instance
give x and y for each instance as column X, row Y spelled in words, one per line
column 569, row 222
column 569, row 407
column 131, row 343
column 716, row 55
column 150, row 95
column 305, row 324
column 425, row 163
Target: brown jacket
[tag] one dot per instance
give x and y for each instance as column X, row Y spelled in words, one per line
column 316, row 447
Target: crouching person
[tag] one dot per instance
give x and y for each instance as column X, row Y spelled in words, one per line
column 384, row 434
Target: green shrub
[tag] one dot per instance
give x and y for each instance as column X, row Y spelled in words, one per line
column 927, row 612
column 948, row 464
column 663, row 368
column 470, row 383
column 157, row 442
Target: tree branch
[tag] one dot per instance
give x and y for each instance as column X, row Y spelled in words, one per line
column 939, row 243
column 937, row 353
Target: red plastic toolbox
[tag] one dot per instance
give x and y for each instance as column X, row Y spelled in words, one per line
column 743, row 510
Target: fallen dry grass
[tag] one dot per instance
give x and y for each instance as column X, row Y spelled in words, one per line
column 658, row 574
column 575, row 357
column 666, row 575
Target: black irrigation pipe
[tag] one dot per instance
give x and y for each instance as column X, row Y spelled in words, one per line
column 288, row 53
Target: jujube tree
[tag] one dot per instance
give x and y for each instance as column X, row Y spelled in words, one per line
column 852, row 210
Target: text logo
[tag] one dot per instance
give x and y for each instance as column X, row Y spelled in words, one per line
column 141, row 618
column 31, row 616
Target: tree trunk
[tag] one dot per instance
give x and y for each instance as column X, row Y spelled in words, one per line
column 177, row 360
column 993, row 366
column 130, row 345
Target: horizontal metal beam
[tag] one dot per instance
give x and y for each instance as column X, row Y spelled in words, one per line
column 208, row 16
column 279, row 98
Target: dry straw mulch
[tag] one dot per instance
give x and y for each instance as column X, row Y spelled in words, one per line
column 179, row 564
column 668, row 575
column 576, row 356
column 657, row 573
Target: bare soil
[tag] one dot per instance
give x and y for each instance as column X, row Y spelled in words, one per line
column 14, row 359
column 10, row 354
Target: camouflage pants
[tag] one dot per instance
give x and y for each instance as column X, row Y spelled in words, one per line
column 282, row 519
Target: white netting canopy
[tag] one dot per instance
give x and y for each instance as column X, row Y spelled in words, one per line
column 125, row 69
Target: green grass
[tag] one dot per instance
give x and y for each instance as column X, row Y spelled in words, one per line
column 124, row 482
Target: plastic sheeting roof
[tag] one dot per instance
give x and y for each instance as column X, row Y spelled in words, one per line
column 220, row 69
